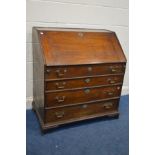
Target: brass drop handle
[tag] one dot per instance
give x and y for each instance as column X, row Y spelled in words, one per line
column 60, row 99
column 60, row 86
column 48, row 70
column 111, row 81
column 110, row 93
column 113, row 70
column 60, row 114
column 61, row 73
column 108, row 105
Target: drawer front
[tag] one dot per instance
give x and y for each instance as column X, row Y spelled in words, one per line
column 80, row 71
column 84, row 82
column 80, row 111
column 81, row 95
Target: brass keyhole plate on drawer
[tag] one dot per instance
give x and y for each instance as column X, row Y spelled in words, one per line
column 84, row 106
column 80, row 34
column 87, row 91
column 90, row 69
column 87, row 80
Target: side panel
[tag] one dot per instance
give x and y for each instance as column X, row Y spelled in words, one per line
column 38, row 75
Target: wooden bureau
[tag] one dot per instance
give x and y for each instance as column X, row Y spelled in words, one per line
column 78, row 75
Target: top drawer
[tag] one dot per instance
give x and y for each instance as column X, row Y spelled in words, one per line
column 59, row 72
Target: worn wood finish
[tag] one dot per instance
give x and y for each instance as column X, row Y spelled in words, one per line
column 83, row 82
column 61, row 47
column 83, row 70
column 38, row 75
column 78, row 75
column 78, row 111
column 81, row 95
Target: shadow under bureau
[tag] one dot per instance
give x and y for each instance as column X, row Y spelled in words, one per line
column 78, row 74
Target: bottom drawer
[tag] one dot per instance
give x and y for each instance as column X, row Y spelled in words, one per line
column 80, row 111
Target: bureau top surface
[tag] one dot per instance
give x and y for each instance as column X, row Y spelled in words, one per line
column 79, row 46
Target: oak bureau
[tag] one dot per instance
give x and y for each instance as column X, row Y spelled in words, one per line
column 78, row 74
